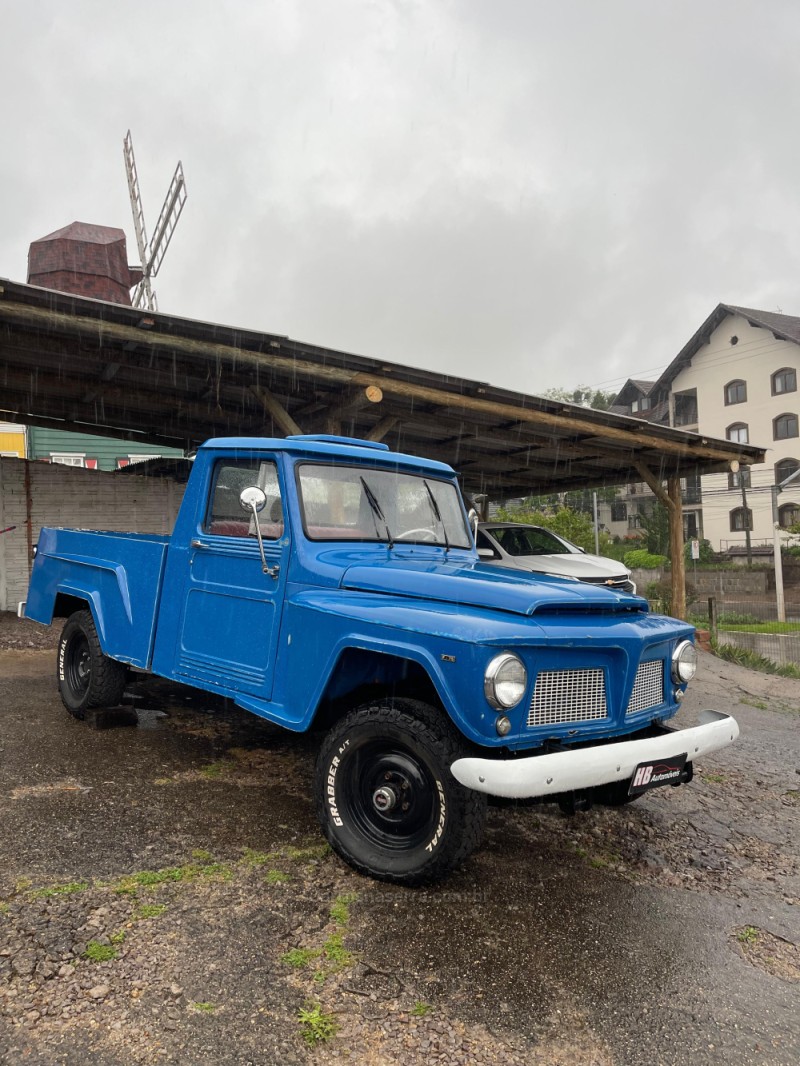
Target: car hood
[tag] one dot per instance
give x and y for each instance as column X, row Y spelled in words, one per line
column 481, row 585
column 573, row 564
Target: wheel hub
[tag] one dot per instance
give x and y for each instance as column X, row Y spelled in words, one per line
column 384, row 799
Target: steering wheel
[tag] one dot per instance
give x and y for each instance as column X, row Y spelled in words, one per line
column 425, row 534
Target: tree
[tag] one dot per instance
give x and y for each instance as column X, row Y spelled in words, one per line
column 573, row 525
column 584, row 396
column 655, row 523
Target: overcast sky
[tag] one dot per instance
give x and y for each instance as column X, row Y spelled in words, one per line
column 533, row 194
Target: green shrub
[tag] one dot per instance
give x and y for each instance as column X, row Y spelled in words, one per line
column 641, row 559
column 707, row 553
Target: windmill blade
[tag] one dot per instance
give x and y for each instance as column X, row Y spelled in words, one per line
column 136, row 199
column 167, row 221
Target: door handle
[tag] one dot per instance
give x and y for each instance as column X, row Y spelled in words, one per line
column 200, row 544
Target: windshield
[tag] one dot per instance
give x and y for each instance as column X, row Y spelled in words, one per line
column 366, row 503
column 516, row 540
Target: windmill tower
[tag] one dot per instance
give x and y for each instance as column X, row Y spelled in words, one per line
column 152, row 254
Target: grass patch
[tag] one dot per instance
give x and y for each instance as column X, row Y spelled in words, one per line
column 276, row 877
column 257, row 858
column 97, row 952
column 203, row 1007
column 421, row 1009
column 149, row 910
column 760, row 627
column 4, row 908
column 190, row 871
column 758, row 704
column 748, row 935
column 716, row 779
column 118, row 937
column 336, row 953
column 752, row 660
column 309, row 853
column 60, row 890
column 298, row 958
column 316, row 1025
column 216, row 770
column 202, row 856
column 340, row 911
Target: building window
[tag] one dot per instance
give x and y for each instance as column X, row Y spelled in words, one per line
column 634, row 521
column 690, row 525
column 738, row 433
column 645, row 403
column 67, row 458
column 784, row 426
column 619, row 512
column 741, row 519
column 742, row 477
column 735, row 392
column 788, row 515
column 634, row 407
column 785, row 468
column 685, row 408
column 784, row 380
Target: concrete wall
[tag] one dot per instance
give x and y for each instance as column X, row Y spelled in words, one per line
column 721, row 583
column 69, row 496
column 780, row 647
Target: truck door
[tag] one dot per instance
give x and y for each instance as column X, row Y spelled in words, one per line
column 228, row 630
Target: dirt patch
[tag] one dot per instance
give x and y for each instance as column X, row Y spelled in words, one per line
column 21, row 634
column 774, row 954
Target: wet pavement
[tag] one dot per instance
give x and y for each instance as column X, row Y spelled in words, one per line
column 663, row 932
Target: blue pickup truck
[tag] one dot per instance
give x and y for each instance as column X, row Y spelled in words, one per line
column 328, row 583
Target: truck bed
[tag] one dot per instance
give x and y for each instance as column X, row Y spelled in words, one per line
column 119, row 574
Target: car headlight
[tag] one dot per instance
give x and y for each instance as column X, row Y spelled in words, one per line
column 504, row 681
column 684, row 662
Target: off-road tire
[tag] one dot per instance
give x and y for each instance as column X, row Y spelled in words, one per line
column 86, row 677
column 396, row 753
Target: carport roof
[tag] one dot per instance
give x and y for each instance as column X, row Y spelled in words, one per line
column 96, row 367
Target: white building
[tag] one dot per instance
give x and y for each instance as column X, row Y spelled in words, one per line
column 735, row 378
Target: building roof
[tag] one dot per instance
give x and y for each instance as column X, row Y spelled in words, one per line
column 98, row 367
column 784, row 327
column 85, row 231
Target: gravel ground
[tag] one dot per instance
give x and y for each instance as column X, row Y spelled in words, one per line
column 165, row 897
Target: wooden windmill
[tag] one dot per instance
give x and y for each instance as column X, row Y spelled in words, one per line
column 152, row 254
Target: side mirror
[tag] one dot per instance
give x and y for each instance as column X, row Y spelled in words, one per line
column 252, row 499
column 473, row 521
column 486, row 553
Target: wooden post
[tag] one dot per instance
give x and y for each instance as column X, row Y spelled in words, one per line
column 676, row 548
column 712, row 616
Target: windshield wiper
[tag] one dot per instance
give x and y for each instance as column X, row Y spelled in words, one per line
column 377, row 511
column 438, row 514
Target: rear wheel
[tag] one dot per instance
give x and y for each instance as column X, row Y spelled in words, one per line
column 86, row 677
column 385, row 796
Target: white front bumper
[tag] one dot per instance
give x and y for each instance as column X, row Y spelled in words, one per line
column 568, row 771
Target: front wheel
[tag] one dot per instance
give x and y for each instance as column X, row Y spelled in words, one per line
column 86, row 677
column 385, row 796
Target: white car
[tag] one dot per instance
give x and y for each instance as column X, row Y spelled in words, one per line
column 523, row 547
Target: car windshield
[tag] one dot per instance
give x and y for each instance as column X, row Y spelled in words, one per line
column 529, row 540
column 368, row 503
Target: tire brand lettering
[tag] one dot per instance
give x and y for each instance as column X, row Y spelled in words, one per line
column 331, row 790
column 62, row 649
column 437, row 836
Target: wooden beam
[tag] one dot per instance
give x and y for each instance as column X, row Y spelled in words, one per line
column 634, row 437
column 276, row 411
column 379, row 431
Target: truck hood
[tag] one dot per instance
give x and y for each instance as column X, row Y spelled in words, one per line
column 481, row 585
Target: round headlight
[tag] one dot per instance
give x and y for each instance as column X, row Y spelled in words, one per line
column 684, row 662
column 504, row 681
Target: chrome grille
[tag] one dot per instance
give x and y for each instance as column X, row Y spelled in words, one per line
column 648, row 689
column 568, row 696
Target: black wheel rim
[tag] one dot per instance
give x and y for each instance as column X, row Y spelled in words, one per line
column 78, row 665
column 389, row 795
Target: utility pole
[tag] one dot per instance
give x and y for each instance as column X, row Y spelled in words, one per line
column 776, row 543
column 596, row 529
column 746, row 517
